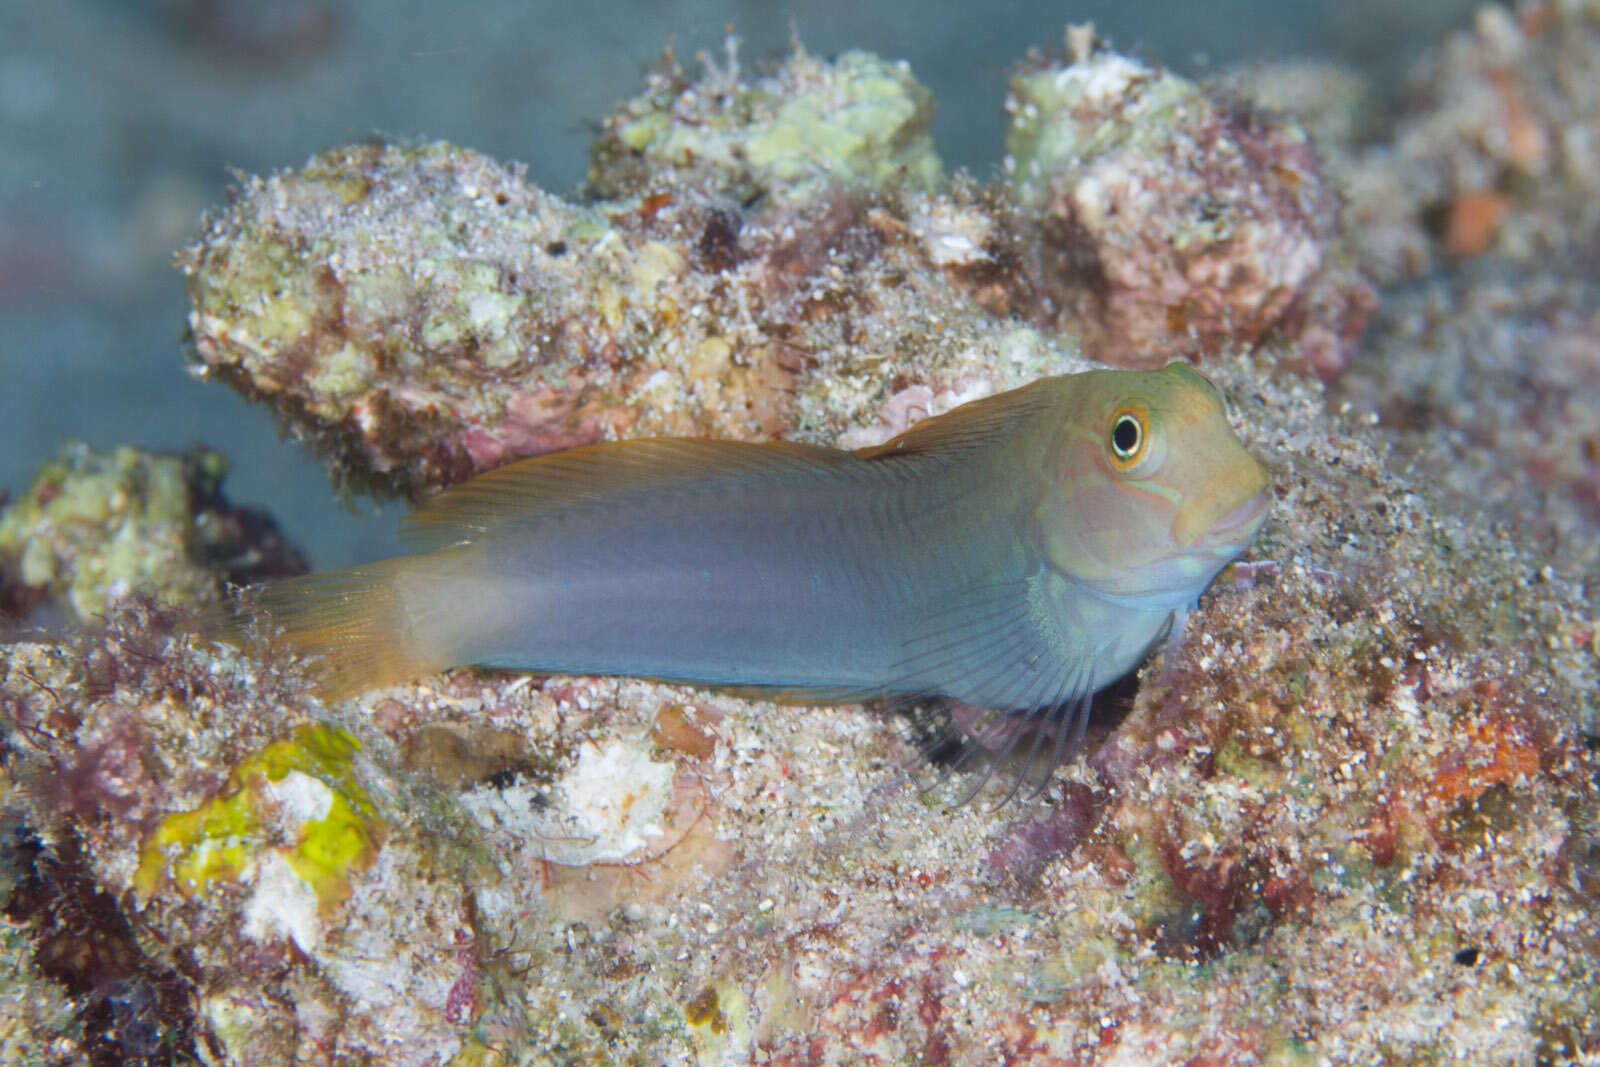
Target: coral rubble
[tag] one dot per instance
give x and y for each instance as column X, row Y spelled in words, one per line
column 1158, row 220
column 97, row 526
column 809, row 126
column 1485, row 375
column 422, row 314
column 1353, row 818
column 1495, row 400
column 1496, row 151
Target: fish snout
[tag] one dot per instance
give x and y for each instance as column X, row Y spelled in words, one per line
column 1227, row 517
column 1247, row 513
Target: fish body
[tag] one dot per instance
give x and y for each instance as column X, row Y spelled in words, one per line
column 1015, row 553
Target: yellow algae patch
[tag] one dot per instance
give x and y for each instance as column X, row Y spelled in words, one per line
column 295, row 804
column 719, row 1023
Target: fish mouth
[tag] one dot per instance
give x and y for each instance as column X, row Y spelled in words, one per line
column 1243, row 515
column 1227, row 533
column 1227, row 511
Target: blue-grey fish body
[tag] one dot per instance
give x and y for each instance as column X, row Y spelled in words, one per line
column 1006, row 555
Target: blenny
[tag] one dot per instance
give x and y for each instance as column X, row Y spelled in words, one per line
column 1014, row 554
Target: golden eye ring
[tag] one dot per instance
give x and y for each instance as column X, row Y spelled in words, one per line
column 1127, row 438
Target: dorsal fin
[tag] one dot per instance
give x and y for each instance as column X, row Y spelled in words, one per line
column 558, row 481
column 971, row 425
column 544, row 485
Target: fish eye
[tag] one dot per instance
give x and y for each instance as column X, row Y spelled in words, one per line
column 1127, row 437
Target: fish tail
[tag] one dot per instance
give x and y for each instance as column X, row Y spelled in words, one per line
column 365, row 627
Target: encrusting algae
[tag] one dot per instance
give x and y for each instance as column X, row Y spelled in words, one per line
column 1352, row 818
column 308, row 777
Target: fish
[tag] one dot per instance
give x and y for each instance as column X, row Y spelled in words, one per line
column 1015, row 554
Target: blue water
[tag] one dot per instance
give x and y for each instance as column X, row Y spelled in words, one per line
column 119, row 122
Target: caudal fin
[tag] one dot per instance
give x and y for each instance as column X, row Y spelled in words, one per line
column 360, row 624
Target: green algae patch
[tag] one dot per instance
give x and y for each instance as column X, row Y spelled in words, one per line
column 297, row 798
column 98, row 524
column 858, row 119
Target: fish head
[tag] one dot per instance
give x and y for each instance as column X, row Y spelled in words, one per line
column 1148, row 490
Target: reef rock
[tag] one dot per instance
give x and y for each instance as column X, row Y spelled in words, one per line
column 1353, row 818
column 1157, row 220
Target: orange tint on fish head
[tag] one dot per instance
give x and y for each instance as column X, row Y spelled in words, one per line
column 1148, row 487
